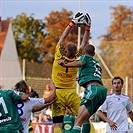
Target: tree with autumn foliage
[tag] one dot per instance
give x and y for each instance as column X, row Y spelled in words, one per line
column 29, row 36
column 56, row 22
column 117, row 45
column 36, row 40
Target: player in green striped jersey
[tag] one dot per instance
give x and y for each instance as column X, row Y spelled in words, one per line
column 9, row 118
column 68, row 121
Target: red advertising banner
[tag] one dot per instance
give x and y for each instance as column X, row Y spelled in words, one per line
column 100, row 127
column 42, row 128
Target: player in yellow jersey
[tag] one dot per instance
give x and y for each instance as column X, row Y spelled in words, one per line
column 64, row 78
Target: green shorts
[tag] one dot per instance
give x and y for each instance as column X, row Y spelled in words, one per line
column 94, row 97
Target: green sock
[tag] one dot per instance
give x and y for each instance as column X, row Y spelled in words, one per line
column 86, row 127
column 76, row 129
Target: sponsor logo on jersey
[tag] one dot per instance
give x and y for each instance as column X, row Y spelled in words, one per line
column 6, row 119
column 67, row 127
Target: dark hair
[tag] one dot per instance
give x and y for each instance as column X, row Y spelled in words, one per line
column 89, row 49
column 21, row 86
column 33, row 94
column 118, row 77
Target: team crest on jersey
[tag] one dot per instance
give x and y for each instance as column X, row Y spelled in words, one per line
column 123, row 103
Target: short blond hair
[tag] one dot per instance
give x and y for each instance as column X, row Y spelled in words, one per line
column 71, row 49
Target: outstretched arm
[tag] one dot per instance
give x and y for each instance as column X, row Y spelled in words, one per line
column 64, row 35
column 39, row 108
column 130, row 114
column 75, row 63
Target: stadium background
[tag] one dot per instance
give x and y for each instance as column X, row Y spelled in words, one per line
column 44, row 70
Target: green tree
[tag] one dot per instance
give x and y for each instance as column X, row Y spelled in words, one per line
column 117, row 45
column 29, row 35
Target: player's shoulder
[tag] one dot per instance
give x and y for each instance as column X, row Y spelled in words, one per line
column 125, row 96
column 110, row 94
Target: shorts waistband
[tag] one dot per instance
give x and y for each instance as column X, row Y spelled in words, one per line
column 93, row 83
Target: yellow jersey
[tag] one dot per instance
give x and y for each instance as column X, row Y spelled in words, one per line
column 63, row 77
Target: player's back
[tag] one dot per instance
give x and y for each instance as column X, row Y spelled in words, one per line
column 63, row 77
column 90, row 70
column 9, row 116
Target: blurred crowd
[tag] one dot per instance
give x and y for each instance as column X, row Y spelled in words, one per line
column 46, row 114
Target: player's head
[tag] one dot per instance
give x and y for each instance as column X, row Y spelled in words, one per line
column 89, row 49
column 70, row 50
column 117, row 84
column 118, row 78
column 22, row 86
column 47, row 87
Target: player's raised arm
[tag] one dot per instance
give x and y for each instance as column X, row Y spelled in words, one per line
column 76, row 19
column 87, row 22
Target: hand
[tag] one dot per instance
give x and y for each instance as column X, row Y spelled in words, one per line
column 113, row 125
column 61, row 62
column 87, row 20
column 52, row 86
column 24, row 97
column 78, row 18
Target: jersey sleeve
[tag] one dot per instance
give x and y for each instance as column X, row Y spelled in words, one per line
column 129, row 106
column 36, row 101
column 82, row 59
column 15, row 95
column 59, row 52
column 103, row 107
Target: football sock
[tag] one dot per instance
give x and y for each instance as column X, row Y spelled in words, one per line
column 86, row 127
column 57, row 130
column 76, row 129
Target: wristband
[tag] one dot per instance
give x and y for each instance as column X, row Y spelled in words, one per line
column 71, row 24
column 87, row 28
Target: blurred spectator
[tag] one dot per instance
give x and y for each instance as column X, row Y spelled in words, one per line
column 47, row 91
column 49, row 118
column 35, row 118
column 45, row 118
column 49, row 111
column 33, row 94
column 68, row 121
column 111, row 90
column 42, row 115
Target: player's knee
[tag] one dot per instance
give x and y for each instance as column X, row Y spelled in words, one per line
column 58, row 119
